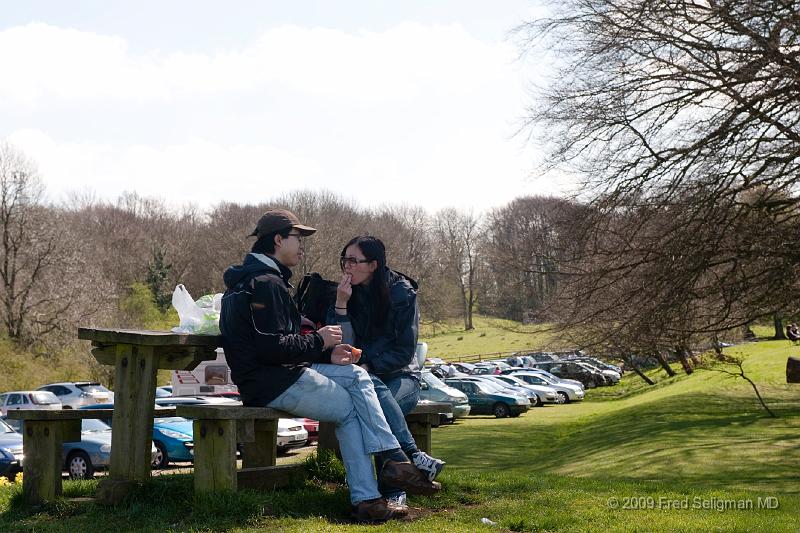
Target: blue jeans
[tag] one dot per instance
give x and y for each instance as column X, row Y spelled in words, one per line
column 398, row 396
column 344, row 394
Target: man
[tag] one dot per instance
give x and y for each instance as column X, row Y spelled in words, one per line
column 309, row 375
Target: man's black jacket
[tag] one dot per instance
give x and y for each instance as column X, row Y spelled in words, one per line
column 260, row 327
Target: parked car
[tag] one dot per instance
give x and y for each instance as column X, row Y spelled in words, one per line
column 11, row 456
column 173, row 401
column 553, row 377
column 82, row 458
column 436, row 390
column 483, row 400
column 291, row 434
column 77, row 393
column 546, row 393
column 537, row 357
column 565, row 369
column 312, row 428
column 567, row 392
column 93, row 452
column 173, row 437
column 501, row 386
column 28, row 399
column 164, row 391
column 466, row 368
column 612, row 377
column 603, row 365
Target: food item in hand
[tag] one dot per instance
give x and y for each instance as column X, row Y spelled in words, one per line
column 356, row 354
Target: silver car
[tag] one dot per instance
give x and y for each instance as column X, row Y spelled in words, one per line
column 546, row 393
column 567, row 392
column 75, row 394
column 516, row 389
column 81, row 458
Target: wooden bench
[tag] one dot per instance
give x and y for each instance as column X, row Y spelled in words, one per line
column 420, row 421
column 218, row 429
column 43, row 436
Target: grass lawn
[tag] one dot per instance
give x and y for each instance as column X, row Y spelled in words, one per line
column 696, row 441
column 490, row 336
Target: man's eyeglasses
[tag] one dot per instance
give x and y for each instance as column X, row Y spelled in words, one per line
column 298, row 235
column 352, row 262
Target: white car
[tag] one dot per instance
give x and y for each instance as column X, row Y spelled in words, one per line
column 28, row 399
column 291, row 434
column 79, row 393
column 567, row 392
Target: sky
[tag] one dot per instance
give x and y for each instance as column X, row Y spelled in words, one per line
column 413, row 102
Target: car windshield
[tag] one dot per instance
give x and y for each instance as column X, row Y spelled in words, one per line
column 90, row 424
column 5, row 428
column 511, row 380
column 44, row 398
column 546, row 379
column 489, row 386
column 433, row 381
column 547, row 376
column 92, row 387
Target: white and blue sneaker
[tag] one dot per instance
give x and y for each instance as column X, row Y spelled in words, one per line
column 430, row 466
column 400, row 500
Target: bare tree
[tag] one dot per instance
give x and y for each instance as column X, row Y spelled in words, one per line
column 33, row 247
column 681, row 118
column 458, row 238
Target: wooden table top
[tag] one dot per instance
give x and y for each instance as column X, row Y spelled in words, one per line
column 147, row 337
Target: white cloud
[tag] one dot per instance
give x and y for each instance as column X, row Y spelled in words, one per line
column 198, row 171
column 50, row 64
column 414, row 114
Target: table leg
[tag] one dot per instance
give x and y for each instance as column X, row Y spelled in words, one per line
column 42, row 441
column 132, row 436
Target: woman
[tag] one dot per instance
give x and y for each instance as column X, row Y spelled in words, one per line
column 377, row 309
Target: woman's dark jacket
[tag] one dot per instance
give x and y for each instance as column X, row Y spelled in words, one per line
column 389, row 347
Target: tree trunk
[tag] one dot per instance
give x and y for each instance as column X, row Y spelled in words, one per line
column 779, row 333
column 470, row 306
column 664, row 364
column 680, row 353
column 635, row 367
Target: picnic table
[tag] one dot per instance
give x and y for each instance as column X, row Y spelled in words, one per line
column 137, row 356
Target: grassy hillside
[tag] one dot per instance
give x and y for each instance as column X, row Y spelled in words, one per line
column 491, row 335
column 700, row 441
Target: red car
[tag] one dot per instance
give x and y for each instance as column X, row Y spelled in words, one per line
column 312, row 426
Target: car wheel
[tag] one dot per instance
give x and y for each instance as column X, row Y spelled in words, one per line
column 79, row 465
column 162, row 458
column 501, row 410
column 562, row 397
column 589, row 384
column 536, row 402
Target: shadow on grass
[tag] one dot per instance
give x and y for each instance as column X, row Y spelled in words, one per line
column 168, row 502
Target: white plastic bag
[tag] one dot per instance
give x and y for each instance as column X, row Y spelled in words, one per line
column 201, row 317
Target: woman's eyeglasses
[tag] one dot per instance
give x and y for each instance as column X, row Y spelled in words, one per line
column 352, row 262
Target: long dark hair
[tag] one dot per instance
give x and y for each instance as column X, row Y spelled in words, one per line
column 374, row 250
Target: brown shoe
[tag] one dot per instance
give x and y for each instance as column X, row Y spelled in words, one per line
column 376, row 511
column 405, row 476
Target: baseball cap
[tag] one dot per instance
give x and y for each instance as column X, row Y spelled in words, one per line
column 278, row 219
